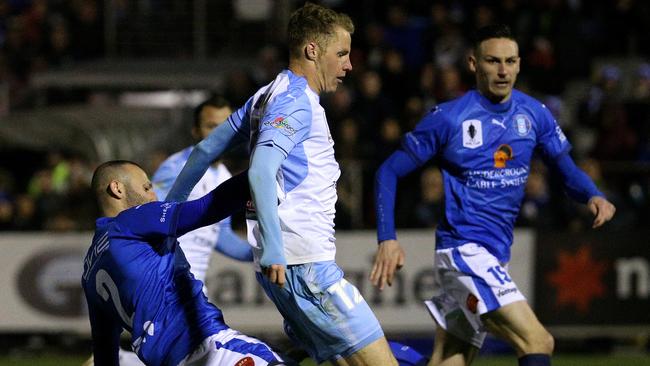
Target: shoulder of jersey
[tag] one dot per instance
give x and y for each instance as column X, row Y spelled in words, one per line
column 454, row 106
column 522, row 97
column 177, row 158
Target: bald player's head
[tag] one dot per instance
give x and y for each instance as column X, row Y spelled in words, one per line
column 119, row 185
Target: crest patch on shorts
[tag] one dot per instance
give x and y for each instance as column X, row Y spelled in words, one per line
column 472, row 303
column 246, row 361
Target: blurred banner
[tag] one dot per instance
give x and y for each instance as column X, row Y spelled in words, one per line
column 41, row 287
column 594, row 278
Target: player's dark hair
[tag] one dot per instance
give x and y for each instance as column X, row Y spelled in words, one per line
column 106, row 172
column 492, row 31
column 314, row 23
column 216, row 101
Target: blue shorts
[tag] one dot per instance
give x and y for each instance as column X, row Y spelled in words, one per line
column 323, row 313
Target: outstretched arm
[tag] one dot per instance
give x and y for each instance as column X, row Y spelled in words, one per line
column 231, row 245
column 229, row 197
column 157, row 220
column 204, row 153
column 582, row 189
column 265, row 162
column 390, row 255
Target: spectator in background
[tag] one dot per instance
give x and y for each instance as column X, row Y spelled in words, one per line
column 239, row 86
column 371, row 105
column 641, row 88
column 199, row 244
column 396, row 82
column 535, row 207
column 639, row 110
column 450, row 86
column 25, row 217
column 605, row 88
column 6, row 211
column 429, row 209
column 577, row 217
column 449, row 47
column 374, row 46
column 403, row 34
column 427, row 87
column 87, row 29
column 57, row 49
column 340, row 105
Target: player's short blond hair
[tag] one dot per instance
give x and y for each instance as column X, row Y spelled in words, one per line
column 314, row 23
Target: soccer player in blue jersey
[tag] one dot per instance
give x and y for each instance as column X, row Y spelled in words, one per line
column 137, row 278
column 198, row 244
column 293, row 175
column 483, row 143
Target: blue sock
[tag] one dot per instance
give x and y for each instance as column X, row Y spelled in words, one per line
column 535, row 359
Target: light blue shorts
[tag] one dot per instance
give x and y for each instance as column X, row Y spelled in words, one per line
column 323, row 313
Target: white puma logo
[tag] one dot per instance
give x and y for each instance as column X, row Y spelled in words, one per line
column 498, row 123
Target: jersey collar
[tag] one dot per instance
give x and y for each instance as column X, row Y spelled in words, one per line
column 494, row 107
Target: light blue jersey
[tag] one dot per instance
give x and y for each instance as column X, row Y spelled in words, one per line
column 294, row 171
column 286, row 115
column 323, row 313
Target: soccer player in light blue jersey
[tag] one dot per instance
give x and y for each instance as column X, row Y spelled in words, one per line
column 483, row 143
column 136, row 277
column 198, row 244
column 293, row 175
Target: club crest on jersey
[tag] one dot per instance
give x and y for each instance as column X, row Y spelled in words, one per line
column 522, row 125
column 472, row 133
column 503, row 154
column 281, row 124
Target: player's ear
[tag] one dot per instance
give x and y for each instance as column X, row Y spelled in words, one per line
column 311, row 51
column 471, row 62
column 115, row 189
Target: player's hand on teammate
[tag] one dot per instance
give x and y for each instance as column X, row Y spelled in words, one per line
column 602, row 209
column 388, row 260
column 275, row 273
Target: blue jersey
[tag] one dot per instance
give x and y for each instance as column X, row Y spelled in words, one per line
column 484, row 151
column 137, row 278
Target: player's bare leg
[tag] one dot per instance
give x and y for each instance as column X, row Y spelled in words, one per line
column 450, row 350
column 517, row 324
column 374, row 354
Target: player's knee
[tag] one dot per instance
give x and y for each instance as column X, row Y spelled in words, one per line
column 539, row 342
column 548, row 343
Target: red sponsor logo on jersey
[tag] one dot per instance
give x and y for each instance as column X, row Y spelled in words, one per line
column 281, row 124
column 472, row 303
column 246, row 361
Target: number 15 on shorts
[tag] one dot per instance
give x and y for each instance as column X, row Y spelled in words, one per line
column 500, row 274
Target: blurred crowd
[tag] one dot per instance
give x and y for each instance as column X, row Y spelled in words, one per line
column 407, row 56
column 56, row 197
